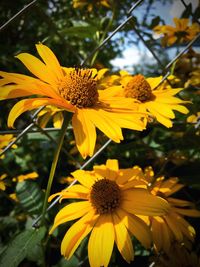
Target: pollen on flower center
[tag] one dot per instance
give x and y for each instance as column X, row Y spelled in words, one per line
column 79, row 88
column 105, row 196
column 138, row 88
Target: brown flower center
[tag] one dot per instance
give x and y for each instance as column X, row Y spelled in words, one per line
column 79, row 88
column 138, row 88
column 105, row 196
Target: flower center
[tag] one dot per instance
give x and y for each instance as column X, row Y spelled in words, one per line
column 105, row 196
column 138, row 88
column 79, row 88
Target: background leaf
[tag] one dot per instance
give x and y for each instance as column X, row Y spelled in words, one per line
column 21, row 246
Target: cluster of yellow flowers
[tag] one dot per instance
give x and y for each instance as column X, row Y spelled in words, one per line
column 95, row 101
column 116, row 204
column 180, row 33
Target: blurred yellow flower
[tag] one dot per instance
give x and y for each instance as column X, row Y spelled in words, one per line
column 13, row 196
column 66, row 180
column 181, row 32
column 74, row 90
column 48, row 113
column 108, row 212
column 194, row 118
column 4, row 141
column 2, row 182
column 194, row 79
column 157, row 99
column 21, row 178
column 172, row 226
column 90, row 4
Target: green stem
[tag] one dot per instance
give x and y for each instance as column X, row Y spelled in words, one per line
column 103, row 36
column 67, row 117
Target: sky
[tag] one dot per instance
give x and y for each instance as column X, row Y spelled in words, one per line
column 133, row 54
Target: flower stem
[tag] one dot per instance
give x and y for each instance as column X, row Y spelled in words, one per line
column 67, row 117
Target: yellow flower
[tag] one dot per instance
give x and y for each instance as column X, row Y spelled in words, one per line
column 193, row 118
column 108, row 212
column 172, row 226
column 50, row 112
column 2, row 183
column 182, row 32
column 74, row 90
column 21, row 178
column 4, row 141
column 158, row 100
column 194, row 79
column 13, row 196
column 90, row 4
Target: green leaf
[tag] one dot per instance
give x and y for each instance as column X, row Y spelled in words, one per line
column 73, row 262
column 30, row 196
column 20, row 246
column 83, row 31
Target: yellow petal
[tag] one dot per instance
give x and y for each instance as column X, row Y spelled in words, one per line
column 136, row 226
column 30, row 104
column 154, row 82
column 128, row 174
column 174, row 226
column 76, row 233
column 105, row 123
column 84, row 177
column 50, row 60
column 179, row 202
column 160, row 118
column 187, row 212
column 85, row 133
column 162, row 109
column 112, row 169
column 58, row 120
column 36, row 66
column 144, row 202
column 180, row 108
column 71, row 212
column 101, row 242
column 75, row 191
column 161, row 234
column 122, row 239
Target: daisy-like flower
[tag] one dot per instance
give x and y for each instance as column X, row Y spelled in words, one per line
column 4, row 141
column 172, row 226
column 158, row 99
column 90, row 4
column 28, row 176
column 48, row 113
column 181, row 32
column 74, row 90
column 108, row 212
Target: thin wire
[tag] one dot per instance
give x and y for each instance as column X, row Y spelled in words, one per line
column 23, row 10
column 111, row 35
column 183, row 51
column 51, row 129
column 17, row 138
